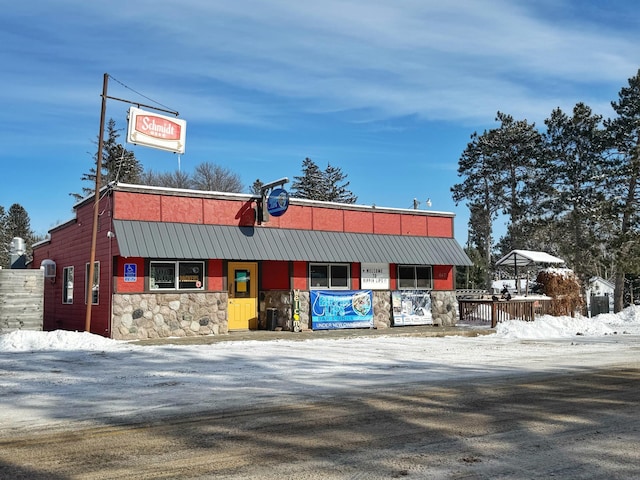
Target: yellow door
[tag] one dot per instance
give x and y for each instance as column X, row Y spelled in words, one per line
column 243, row 295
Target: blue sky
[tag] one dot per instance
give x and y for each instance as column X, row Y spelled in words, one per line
column 389, row 91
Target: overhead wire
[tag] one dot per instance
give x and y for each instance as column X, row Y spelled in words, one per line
column 138, row 93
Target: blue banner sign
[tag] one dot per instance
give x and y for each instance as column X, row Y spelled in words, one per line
column 335, row 309
column 278, row 202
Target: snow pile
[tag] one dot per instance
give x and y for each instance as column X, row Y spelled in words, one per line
column 628, row 318
column 545, row 327
column 553, row 327
column 30, row 341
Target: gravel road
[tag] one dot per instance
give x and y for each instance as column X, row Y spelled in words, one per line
column 583, row 425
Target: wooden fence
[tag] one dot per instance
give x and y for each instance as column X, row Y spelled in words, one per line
column 21, row 299
column 495, row 311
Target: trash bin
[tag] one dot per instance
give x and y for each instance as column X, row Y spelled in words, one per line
column 272, row 318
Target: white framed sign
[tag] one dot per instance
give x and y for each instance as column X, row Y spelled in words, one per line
column 156, row 131
column 374, row 276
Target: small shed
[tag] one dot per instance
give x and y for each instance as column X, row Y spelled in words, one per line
column 599, row 296
column 526, row 258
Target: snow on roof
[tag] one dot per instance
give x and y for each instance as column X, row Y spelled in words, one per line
column 523, row 258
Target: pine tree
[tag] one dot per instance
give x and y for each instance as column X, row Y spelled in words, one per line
column 310, row 184
column 337, row 187
column 17, row 224
column 481, row 188
column 118, row 164
column 256, row 188
column 572, row 172
column 624, row 175
column 4, row 239
column 327, row 186
column 515, row 147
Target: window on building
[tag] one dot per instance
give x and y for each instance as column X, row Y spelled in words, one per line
column 95, row 285
column 415, row 277
column 176, row 276
column 329, row 275
column 67, row 285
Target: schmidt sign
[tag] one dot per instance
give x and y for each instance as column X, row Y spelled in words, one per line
column 156, row 131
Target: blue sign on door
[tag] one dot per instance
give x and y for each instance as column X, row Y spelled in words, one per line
column 130, row 272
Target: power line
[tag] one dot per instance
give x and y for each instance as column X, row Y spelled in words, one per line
column 138, row 93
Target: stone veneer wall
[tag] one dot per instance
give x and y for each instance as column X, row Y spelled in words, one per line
column 382, row 308
column 282, row 301
column 444, row 307
column 155, row 315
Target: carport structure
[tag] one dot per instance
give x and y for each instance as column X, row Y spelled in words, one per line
column 527, row 258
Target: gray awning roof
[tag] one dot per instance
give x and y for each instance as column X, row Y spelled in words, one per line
column 196, row 241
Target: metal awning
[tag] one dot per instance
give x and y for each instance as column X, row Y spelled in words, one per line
column 197, row 241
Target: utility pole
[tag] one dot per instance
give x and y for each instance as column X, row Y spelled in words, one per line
column 96, row 205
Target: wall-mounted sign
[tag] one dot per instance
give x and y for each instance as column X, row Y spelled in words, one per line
column 156, row 131
column 130, row 272
column 374, row 276
column 277, row 202
column 334, row 309
column 411, row 307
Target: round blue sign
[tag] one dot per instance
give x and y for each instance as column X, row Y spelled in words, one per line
column 278, row 202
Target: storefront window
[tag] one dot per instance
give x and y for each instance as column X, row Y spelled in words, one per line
column 329, row 275
column 190, row 275
column 176, row 276
column 413, row 277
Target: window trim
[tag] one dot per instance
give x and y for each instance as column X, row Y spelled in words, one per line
column 67, row 291
column 330, row 285
column 415, row 277
column 95, row 287
column 176, row 276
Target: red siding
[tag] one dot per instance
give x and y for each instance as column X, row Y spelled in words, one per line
column 393, row 275
column 355, row 276
column 275, row 275
column 181, row 209
column 227, row 212
column 167, row 208
column 137, row 206
column 386, row 223
column 215, row 276
column 70, row 245
column 297, row 216
column 440, row 227
column 442, row 277
column 129, row 287
column 300, row 275
column 358, row 222
column 414, row 225
column 328, row 220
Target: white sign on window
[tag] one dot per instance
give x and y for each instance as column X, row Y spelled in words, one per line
column 374, row 276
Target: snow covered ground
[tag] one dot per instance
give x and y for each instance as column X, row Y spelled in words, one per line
column 56, row 379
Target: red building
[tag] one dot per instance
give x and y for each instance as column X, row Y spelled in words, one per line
column 171, row 262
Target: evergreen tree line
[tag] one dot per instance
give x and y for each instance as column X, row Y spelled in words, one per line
column 121, row 165
column 570, row 189
column 14, row 223
column 328, row 185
